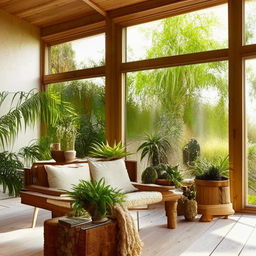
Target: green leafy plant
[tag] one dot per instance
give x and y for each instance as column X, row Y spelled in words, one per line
column 162, row 171
column 95, row 197
column 149, row 175
column 173, row 174
column 11, row 176
column 30, row 153
column 155, row 148
column 26, row 108
column 65, row 132
column 217, row 169
column 104, row 150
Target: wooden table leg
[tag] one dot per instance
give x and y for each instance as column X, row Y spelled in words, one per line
column 171, row 213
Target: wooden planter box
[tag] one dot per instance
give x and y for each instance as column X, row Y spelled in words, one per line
column 213, row 198
column 100, row 240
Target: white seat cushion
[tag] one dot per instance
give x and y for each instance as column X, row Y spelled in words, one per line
column 114, row 172
column 136, row 199
column 65, row 176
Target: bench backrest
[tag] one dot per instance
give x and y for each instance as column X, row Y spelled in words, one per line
column 38, row 176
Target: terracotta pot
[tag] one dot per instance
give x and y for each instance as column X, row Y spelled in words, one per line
column 190, row 209
column 70, row 155
column 58, row 156
column 163, row 182
column 213, row 198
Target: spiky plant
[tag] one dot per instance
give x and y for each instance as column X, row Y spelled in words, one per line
column 155, row 148
column 104, row 150
column 95, row 197
column 214, row 170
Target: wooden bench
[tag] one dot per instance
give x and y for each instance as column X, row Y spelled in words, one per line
column 36, row 192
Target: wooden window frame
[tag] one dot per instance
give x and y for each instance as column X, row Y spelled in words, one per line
column 116, row 69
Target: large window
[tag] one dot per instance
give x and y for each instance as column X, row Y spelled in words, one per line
column 187, row 33
column 87, row 98
column 250, row 21
column 250, row 89
column 79, row 54
column 180, row 104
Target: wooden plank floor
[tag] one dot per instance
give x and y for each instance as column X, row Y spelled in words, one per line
column 235, row 236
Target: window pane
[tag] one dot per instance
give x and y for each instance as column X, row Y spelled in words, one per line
column 187, row 33
column 250, row 21
column 180, row 103
column 79, row 54
column 87, row 97
column 250, row 89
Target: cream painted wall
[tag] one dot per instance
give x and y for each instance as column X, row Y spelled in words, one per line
column 19, row 64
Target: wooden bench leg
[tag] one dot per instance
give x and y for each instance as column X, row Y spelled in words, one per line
column 34, row 217
column 171, row 213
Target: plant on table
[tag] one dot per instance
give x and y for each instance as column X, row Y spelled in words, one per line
column 97, row 198
column 104, row 150
column 162, row 172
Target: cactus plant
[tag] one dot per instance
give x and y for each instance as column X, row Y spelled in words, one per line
column 191, row 151
column 149, row 175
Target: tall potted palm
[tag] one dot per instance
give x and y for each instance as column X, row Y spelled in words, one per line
column 155, row 147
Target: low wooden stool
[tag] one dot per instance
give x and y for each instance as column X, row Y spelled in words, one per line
column 82, row 240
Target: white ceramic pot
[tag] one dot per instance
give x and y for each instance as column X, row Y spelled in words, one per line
column 70, row 155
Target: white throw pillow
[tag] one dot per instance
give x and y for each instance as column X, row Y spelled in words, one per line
column 114, row 172
column 65, row 176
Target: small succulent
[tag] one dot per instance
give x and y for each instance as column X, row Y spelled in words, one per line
column 189, row 192
column 149, row 175
column 174, row 175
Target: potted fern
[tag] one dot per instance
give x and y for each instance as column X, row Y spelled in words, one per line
column 96, row 198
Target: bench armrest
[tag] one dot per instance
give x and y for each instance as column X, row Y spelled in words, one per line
column 44, row 190
column 152, row 187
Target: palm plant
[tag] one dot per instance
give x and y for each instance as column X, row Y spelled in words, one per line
column 26, row 108
column 30, row 153
column 95, row 197
column 156, row 148
column 11, row 177
column 103, row 150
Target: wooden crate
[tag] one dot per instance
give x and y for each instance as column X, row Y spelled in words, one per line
column 96, row 240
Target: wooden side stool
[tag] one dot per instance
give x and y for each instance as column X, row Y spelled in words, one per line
column 82, row 240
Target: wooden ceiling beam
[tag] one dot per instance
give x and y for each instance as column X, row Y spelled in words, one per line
column 155, row 9
column 41, row 8
column 89, row 20
column 95, row 7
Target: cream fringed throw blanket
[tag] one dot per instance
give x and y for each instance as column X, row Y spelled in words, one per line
column 130, row 243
